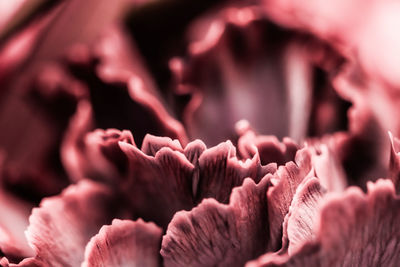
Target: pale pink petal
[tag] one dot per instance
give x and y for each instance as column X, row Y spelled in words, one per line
column 327, row 168
column 152, row 144
column 331, row 19
column 269, row 148
column 72, row 156
column 286, row 180
column 297, row 192
column 353, row 229
column 62, row 226
column 231, row 73
column 394, row 164
column 125, row 243
column 366, row 152
column 22, row 25
column 303, row 213
column 4, row 262
column 193, row 150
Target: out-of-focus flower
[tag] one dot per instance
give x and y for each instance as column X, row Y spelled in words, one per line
column 147, row 133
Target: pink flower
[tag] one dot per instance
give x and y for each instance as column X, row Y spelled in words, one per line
column 199, row 134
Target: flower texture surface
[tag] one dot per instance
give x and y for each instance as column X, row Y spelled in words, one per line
column 199, row 133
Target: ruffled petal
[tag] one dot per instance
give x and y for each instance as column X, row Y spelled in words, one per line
column 40, row 116
column 300, row 222
column 269, row 148
column 190, row 174
column 162, row 173
column 366, row 77
column 62, row 226
column 167, row 38
column 330, row 20
column 152, row 144
column 4, row 262
column 22, row 25
column 354, row 229
column 157, row 186
column 220, row 170
column 95, row 154
column 125, row 243
column 28, row 262
column 218, row 234
column 365, row 153
column 328, row 157
column 394, row 164
column 240, row 65
column 227, row 72
column 121, row 88
column 280, row 196
column 72, row 148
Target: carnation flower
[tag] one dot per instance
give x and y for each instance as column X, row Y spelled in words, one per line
column 205, row 133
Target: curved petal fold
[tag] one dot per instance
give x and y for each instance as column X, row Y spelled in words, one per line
column 124, row 243
column 62, row 226
column 353, row 228
column 219, row 234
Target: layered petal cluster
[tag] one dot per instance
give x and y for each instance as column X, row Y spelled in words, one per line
column 203, row 133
